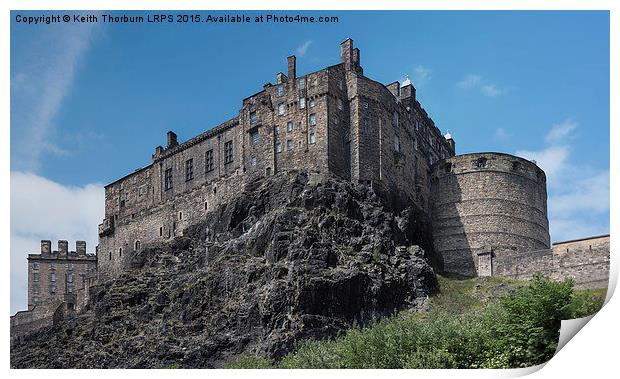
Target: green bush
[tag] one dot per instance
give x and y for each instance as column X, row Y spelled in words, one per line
column 519, row 330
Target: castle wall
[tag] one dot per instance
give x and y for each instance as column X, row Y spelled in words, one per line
column 487, row 202
column 586, row 261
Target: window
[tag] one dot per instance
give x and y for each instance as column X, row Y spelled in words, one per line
column 481, row 162
column 448, row 167
column 253, row 118
column 253, row 161
column 70, row 277
column 365, row 104
column 71, row 267
column 36, row 289
column 415, row 144
column 228, row 152
column 168, row 179
column 312, row 103
column 70, row 290
column 35, row 277
column 35, row 300
column 281, row 90
column 281, row 109
column 396, row 144
column 278, row 147
column 365, row 125
column 254, row 137
column 395, row 117
column 289, row 144
column 302, row 102
column 120, row 252
column 180, row 215
column 53, row 266
column 312, row 119
column 53, row 277
column 189, row 170
column 339, row 104
column 161, row 231
column 336, row 121
column 268, row 171
column 35, row 266
column 136, row 245
column 340, row 84
column 209, row 160
column 289, row 126
column 110, row 257
column 301, row 83
column 53, row 288
column 312, row 138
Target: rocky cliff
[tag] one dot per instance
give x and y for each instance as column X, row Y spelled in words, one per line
column 295, row 256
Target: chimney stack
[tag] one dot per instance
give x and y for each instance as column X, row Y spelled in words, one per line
column 292, row 67
column 46, row 247
column 356, row 57
column 80, row 247
column 346, row 53
column 63, row 247
column 171, row 139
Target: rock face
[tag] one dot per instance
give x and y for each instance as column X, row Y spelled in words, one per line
column 295, row 256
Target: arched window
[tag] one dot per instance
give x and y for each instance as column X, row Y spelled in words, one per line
column 137, row 245
column 120, row 251
column 110, row 258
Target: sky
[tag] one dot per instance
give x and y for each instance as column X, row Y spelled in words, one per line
column 91, row 101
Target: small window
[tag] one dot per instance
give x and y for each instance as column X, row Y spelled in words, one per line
column 268, row 171
column 110, row 257
column 71, row 267
column 70, row 277
column 189, row 170
column 302, row 102
column 36, row 299
column 301, row 83
column 365, row 125
column 289, row 126
column 209, row 166
column 53, row 277
column 161, row 232
column 253, row 161
column 281, row 90
column 396, row 144
column 254, row 137
column 36, row 289
column 395, row 119
column 312, row 138
column 35, row 277
column 277, row 129
column 206, row 206
column 278, row 147
column 168, row 179
column 35, row 266
column 289, row 145
column 281, row 109
column 448, row 167
column 312, row 103
column 52, row 266
column 228, row 152
column 180, row 215
column 253, row 118
column 136, row 245
column 481, row 163
column 365, row 104
column 340, row 84
column 312, row 119
column 120, row 251
column 339, row 104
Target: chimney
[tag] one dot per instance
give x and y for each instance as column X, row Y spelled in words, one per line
column 346, row 53
column 356, row 57
column 171, row 140
column 46, row 247
column 63, row 247
column 80, row 247
column 292, row 67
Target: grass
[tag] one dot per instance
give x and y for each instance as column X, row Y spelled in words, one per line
column 473, row 323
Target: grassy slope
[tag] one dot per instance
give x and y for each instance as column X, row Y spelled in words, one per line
column 460, row 300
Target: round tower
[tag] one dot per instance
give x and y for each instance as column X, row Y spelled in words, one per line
column 485, row 205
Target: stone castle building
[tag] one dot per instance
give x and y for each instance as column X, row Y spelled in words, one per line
column 483, row 214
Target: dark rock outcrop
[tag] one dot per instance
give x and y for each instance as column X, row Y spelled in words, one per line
column 295, row 256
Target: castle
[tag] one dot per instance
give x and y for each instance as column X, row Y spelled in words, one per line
column 485, row 213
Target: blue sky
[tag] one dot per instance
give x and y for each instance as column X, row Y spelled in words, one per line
column 90, row 102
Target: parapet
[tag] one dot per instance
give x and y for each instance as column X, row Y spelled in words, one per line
column 63, row 251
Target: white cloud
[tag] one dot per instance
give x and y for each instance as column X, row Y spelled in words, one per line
column 473, row 81
column 422, row 75
column 578, row 203
column 560, row 131
column 39, row 88
column 303, row 48
column 470, row 81
column 43, row 209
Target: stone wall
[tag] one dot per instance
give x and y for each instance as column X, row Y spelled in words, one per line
column 487, row 202
column 586, row 261
column 39, row 316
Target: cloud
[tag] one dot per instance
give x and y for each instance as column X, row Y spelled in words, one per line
column 578, row 202
column 44, row 209
column 303, row 48
column 470, row 81
column 422, row 75
column 39, row 88
column 560, row 131
column 473, row 81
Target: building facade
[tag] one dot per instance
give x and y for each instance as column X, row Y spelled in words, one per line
column 335, row 121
